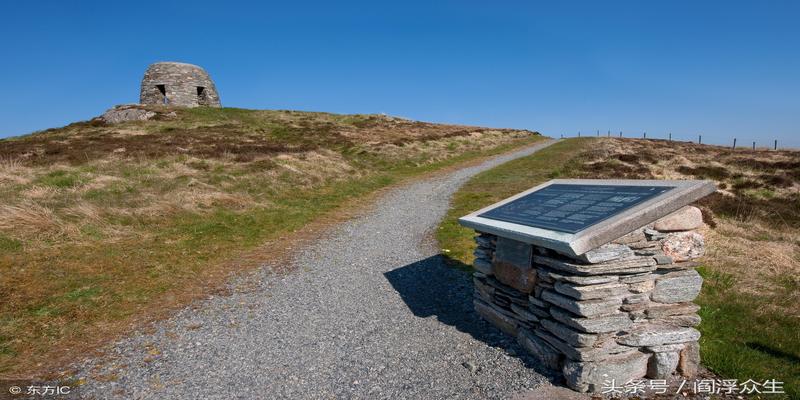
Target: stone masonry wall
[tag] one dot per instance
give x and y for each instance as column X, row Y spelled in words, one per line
column 622, row 311
column 178, row 84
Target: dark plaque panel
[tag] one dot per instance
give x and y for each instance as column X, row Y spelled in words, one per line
column 572, row 208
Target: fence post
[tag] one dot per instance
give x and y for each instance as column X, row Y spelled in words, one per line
column 609, row 133
column 734, row 144
column 644, row 135
column 620, row 133
column 754, row 145
column 598, row 133
column 700, row 139
column 579, row 133
column 670, row 136
column 776, row 144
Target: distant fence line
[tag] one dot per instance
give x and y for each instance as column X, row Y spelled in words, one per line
column 669, row 138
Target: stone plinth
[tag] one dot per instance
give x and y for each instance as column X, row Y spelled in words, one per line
column 620, row 311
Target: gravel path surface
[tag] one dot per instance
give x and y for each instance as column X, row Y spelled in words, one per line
column 371, row 311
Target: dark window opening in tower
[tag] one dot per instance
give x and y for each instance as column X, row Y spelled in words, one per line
column 163, row 90
column 202, row 96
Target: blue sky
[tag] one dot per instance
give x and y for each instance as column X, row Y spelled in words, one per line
column 723, row 69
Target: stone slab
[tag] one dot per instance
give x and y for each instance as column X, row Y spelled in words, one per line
column 689, row 360
column 604, row 324
column 632, row 265
column 685, row 219
column 658, row 310
column 541, row 350
column 569, row 335
column 677, row 287
column 583, row 280
column 503, row 322
column 590, row 292
column 606, row 252
column 513, row 264
column 683, row 246
column 584, row 308
column 482, row 266
column 662, row 364
column 524, row 313
column 591, row 376
column 656, row 334
column 690, row 321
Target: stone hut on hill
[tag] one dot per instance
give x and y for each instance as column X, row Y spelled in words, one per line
column 178, row 84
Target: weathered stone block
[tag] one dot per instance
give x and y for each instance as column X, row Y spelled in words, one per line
column 691, row 320
column 654, row 334
column 482, row 266
column 677, row 287
column 591, row 291
column 607, row 252
column 571, row 336
column 685, row 219
column 631, row 237
column 522, row 279
column 666, row 348
column 631, row 265
column 512, row 264
column 636, row 278
column 662, row 259
column 657, row 310
column 503, row 322
column 683, row 246
column 608, row 323
column 689, row 360
column 662, row 364
column 642, row 287
column 485, row 240
column 541, row 350
column 584, row 308
column 636, row 298
column 584, row 280
column 524, row 313
column 481, row 252
column 600, row 350
column 591, row 376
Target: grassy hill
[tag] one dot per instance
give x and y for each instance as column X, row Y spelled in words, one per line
column 104, row 226
column 750, row 297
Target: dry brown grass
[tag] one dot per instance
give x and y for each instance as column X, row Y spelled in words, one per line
column 755, row 215
column 102, row 226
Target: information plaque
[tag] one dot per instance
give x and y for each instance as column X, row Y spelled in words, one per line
column 573, row 216
column 572, row 208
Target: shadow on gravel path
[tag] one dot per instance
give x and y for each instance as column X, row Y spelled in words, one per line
column 432, row 288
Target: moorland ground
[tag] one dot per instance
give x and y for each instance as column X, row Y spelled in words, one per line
column 103, row 227
column 751, row 321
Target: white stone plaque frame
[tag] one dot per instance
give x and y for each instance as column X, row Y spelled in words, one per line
column 575, row 244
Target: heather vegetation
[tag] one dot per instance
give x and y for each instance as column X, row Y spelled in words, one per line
column 103, row 226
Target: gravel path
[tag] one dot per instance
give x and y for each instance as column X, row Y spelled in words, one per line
column 370, row 312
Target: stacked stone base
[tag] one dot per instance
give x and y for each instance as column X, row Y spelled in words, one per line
column 618, row 313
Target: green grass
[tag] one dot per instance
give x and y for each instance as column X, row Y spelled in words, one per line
column 60, row 179
column 123, row 263
column 744, row 336
column 498, row 183
column 747, row 336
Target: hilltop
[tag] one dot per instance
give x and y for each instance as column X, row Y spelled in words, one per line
column 105, row 225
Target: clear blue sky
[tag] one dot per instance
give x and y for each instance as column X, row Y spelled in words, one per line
column 726, row 69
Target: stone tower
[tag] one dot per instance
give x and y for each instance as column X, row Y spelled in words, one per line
column 178, row 84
